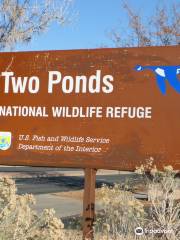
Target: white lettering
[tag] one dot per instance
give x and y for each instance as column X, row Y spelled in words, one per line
column 54, row 78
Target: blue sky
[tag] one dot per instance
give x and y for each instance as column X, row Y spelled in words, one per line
column 91, row 28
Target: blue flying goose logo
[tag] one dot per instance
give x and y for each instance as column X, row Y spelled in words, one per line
column 163, row 74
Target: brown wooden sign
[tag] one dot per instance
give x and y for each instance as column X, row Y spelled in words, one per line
column 104, row 108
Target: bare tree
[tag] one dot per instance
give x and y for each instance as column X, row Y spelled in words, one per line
column 20, row 20
column 161, row 29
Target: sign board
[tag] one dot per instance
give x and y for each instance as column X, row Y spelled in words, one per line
column 104, row 108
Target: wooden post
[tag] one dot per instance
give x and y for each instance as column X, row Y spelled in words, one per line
column 89, row 203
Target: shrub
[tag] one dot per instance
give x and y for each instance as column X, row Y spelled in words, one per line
column 122, row 213
column 19, row 222
column 165, row 205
